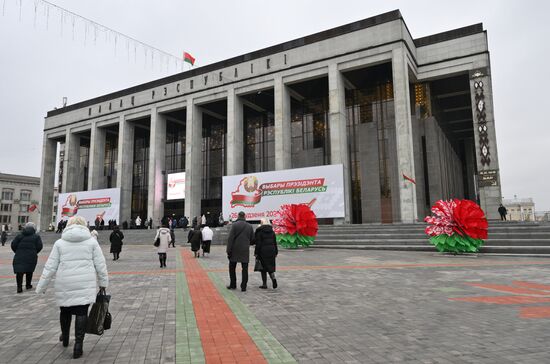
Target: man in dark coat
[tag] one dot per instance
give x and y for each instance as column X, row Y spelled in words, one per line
column 502, row 211
column 238, row 250
column 26, row 247
column 116, row 238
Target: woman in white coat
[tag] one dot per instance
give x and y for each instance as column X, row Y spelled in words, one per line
column 76, row 259
column 164, row 237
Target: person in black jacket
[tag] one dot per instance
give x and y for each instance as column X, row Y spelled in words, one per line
column 195, row 239
column 265, row 252
column 26, row 247
column 3, row 236
column 238, row 250
column 116, row 238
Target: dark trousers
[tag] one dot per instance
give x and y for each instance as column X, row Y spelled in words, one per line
column 503, row 217
column 19, row 279
column 233, row 274
column 116, row 256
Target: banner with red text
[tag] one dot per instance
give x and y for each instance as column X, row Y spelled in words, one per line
column 262, row 194
column 102, row 204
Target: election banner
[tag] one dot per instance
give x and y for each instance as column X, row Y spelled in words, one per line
column 261, row 194
column 175, row 189
column 102, row 204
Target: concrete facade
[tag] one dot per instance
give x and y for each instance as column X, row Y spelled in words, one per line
column 331, row 54
column 17, row 194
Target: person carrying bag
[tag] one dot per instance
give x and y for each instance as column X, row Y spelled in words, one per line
column 99, row 318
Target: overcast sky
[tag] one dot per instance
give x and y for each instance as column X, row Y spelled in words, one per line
column 40, row 61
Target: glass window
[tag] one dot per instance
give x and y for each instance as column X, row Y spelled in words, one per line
column 6, row 219
column 25, row 195
column 84, row 162
column 110, row 162
column 22, row 219
column 140, row 178
column 5, row 207
column 175, row 148
column 214, row 165
column 7, row 194
column 24, row 208
column 259, row 140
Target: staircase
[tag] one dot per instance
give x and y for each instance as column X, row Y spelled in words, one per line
column 504, row 237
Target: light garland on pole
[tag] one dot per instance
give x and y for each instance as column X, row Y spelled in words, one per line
column 79, row 23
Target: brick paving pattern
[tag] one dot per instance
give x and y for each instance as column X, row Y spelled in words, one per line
column 332, row 306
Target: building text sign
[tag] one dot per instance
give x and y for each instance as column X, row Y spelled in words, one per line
column 488, row 178
column 104, row 204
column 262, row 194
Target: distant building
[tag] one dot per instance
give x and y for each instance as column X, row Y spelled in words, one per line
column 520, row 209
column 19, row 200
column 542, row 216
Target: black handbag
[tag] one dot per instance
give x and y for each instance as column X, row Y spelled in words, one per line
column 258, row 267
column 98, row 313
column 108, row 321
column 157, row 242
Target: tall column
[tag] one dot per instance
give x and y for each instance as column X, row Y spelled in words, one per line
column 96, row 180
column 481, row 91
column 47, row 179
column 157, row 153
column 193, row 166
column 235, row 134
column 404, row 139
column 339, row 151
column 125, row 167
column 71, row 161
column 283, row 152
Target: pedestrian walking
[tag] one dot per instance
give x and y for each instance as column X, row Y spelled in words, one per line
column 194, row 222
column 3, row 237
column 238, row 250
column 164, row 238
column 502, row 211
column 26, row 247
column 195, row 239
column 173, row 236
column 207, row 235
column 116, row 238
column 221, row 220
column 265, row 252
column 76, row 260
column 94, row 234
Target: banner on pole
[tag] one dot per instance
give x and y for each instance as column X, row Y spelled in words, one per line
column 104, row 204
column 261, row 194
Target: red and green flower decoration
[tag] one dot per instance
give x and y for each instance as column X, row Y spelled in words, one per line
column 296, row 226
column 457, row 226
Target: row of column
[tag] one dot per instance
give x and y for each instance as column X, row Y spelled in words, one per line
column 338, row 147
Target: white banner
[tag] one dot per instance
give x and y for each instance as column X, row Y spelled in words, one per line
column 262, row 194
column 175, row 189
column 104, row 204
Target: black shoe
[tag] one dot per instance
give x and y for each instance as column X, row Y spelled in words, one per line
column 19, row 290
column 243, row 289
column 263, row 286
column 29, row 286
column 230, row 287
column 274, row 281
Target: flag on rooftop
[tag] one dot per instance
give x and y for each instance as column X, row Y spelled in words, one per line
column 188, row 58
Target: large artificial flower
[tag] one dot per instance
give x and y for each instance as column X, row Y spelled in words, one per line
column 457, row 226
column 470, row 220
column 296, row 226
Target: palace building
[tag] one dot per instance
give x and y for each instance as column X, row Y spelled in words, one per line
column 411, row 121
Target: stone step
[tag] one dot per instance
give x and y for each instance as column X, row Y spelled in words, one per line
column 520, row 250
column 497, row 242
column 341, row 235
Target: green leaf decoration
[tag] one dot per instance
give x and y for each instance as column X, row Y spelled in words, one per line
column 456, row 243
column 294, row 241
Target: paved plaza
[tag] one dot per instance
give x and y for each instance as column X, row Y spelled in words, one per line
column 332, row 306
